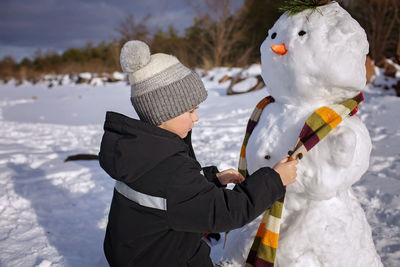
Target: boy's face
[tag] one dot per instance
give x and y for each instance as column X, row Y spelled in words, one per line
column 182, row 124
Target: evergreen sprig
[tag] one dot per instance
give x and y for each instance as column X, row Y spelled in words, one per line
column 293, row 7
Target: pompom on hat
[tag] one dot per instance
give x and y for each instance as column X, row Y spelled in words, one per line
column 161, row 87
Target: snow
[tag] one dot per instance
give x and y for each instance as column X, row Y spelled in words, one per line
column 54, row 213
column 72, row 104
column 245, row 85
column 65, row 80
column 96, row 82
column 85, row 75
column 118, row 76
column 253, row 70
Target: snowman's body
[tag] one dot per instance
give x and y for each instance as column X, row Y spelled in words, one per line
column 323, row 224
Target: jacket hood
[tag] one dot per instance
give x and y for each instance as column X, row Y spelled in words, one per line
column 130, row 148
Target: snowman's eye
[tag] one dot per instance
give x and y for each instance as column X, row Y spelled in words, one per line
column 301, row 33
column 273, row 35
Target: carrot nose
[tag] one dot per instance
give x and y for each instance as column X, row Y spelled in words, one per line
column 279, row 49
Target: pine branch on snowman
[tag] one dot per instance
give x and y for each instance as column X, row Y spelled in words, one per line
column 314, row 56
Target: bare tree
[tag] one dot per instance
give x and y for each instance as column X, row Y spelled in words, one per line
column 130, row 30
column 222, row 31
column 380, row 19
column 398, row 48
column 398, row 35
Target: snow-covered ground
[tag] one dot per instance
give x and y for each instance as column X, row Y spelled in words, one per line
column 54, row 213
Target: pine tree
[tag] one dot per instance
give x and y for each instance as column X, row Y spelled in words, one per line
column 296, row 6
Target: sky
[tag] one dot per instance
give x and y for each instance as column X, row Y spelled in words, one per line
column 29, row 25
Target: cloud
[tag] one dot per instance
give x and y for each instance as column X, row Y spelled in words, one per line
column 57, row 25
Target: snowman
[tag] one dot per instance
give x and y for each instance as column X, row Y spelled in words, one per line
column 311, row 59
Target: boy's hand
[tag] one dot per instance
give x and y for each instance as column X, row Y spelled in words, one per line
column 230, row 176
column 287, row 170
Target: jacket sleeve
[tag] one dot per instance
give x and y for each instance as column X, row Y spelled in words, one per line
column 196, row 205
column 210, row 172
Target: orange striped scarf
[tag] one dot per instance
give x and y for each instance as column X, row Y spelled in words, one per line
column 317, row 126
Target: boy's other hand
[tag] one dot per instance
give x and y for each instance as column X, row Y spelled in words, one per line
column 287, row 170
column 230, row 176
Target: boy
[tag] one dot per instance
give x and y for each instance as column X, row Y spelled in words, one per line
column 164, row 201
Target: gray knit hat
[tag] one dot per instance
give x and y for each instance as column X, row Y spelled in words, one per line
column 161, row 87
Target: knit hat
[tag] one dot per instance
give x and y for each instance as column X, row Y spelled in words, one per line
column 161, row 87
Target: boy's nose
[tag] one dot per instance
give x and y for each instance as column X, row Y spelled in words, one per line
column 195, row 116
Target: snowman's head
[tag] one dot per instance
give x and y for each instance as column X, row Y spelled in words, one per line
column 315, row 56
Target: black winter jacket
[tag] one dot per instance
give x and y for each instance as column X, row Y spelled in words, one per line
column 160, row 164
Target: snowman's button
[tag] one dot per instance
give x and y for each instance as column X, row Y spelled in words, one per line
column 267, row 157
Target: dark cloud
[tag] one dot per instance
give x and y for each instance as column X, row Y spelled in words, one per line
column 27, row 25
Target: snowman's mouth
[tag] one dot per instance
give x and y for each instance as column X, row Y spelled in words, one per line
column 279, row 49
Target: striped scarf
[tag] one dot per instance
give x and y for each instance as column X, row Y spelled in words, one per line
column 316, row 127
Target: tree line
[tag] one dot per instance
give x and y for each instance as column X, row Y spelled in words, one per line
column 218, row 37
